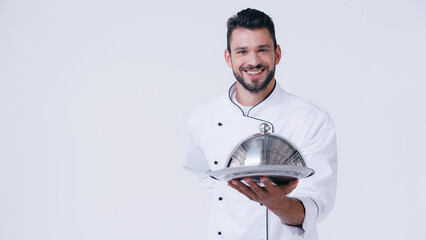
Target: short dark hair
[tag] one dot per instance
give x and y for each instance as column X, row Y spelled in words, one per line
column 251, row 19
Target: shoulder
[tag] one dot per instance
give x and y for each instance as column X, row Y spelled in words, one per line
column 299, row 105
column 302, row 114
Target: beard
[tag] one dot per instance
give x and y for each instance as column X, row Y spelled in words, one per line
column 255, row 86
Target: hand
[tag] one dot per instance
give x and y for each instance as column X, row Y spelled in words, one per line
column 272, row 196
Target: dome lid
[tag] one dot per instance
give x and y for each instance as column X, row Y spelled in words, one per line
column 267, row 155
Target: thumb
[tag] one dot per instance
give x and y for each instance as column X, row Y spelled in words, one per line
column 288, row 188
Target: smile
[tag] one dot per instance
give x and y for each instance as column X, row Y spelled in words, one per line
column 254, row 72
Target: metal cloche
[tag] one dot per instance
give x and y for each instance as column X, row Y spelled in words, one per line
column 265, row 149
column 264, row 154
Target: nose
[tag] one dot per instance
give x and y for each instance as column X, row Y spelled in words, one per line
column 253, row 59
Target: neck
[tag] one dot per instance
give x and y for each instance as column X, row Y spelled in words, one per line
column 247, row 98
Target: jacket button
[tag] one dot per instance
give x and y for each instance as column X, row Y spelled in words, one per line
column 219, row 233
column 215, row 162
column 219, row 124
column 220, row 198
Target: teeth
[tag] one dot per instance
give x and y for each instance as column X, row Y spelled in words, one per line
column 254, row 72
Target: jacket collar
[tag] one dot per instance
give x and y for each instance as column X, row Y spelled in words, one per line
column 260, row 107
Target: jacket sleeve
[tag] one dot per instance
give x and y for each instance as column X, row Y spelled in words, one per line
column 318, row 192
column 194, row 160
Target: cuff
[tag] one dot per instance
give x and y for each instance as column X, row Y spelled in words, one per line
column 311, row 213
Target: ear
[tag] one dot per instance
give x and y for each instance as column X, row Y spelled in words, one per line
column 277, row 55
column 228, row 58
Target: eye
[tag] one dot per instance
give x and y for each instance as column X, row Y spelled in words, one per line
column 263, row 50
column 242, row 52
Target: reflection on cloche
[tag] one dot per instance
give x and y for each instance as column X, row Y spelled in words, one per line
column 265, row 149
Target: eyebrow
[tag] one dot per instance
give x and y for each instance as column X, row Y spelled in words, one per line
column 264, row 46
column 260, row 46
column 240, row 48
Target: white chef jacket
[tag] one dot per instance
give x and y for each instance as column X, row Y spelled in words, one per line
column 219, row 125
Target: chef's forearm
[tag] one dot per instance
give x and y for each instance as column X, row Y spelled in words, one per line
column 291, row 211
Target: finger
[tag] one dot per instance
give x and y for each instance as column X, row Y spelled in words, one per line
column 288, row 188
column 254, row 186
column 234, row 186
column 269, row 186
column 292, row 185
column 242, row 188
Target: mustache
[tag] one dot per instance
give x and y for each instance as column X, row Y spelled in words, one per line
column 251, row 67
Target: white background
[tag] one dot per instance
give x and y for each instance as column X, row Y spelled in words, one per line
column 94, row 98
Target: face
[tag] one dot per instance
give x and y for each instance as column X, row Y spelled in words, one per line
column 253, row 58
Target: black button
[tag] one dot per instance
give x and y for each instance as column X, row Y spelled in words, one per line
column 219, row 233
column 219, row 124
column 261, row 204
column 215, row 162
column 220, row 198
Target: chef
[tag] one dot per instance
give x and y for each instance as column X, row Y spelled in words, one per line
column 242, row 210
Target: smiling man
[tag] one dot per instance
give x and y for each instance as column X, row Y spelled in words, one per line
column 243, row 209
column 253, row 57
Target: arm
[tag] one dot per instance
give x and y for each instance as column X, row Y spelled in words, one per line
column 274, row 197
column 194, row 160
column 313, row 199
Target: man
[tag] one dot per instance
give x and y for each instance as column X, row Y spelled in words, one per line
column 248, row 211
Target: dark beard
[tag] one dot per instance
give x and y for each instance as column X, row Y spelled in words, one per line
column 255, row 88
